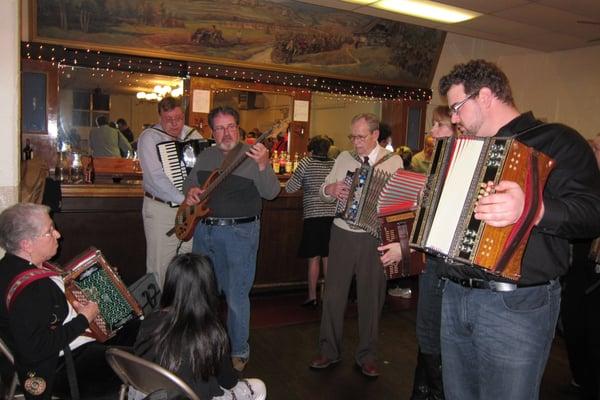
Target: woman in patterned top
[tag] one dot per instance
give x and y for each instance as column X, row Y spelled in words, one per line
column 318, row 215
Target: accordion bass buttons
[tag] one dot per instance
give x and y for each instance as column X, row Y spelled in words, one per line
column 468, row 241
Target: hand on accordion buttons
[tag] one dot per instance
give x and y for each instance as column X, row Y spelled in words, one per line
column 502, row 205
column 89, row 310
column 391, row 253
column 339, row 190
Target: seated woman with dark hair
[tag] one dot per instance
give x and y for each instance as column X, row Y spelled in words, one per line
column 186, row 336
column 36, row 321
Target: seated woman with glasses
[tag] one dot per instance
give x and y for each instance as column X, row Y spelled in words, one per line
column 186, row 336
column 37, row 323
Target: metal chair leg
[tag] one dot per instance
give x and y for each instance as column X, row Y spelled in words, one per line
column 13, row 387
column 123, row 392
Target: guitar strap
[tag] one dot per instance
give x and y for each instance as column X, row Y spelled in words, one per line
column 232, row 156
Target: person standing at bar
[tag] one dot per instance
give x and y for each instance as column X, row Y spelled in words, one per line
column 353, row 252
column 106, row 141
column 161, row 197
column 317, row 214
column 229, row 235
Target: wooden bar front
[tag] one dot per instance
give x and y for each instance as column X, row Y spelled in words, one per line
column 109, row 217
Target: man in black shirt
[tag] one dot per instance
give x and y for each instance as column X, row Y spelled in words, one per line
column 496, row 338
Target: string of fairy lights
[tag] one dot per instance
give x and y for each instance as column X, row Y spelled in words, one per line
column 131, row 67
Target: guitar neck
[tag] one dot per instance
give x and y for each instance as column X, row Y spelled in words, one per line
column 231, row 167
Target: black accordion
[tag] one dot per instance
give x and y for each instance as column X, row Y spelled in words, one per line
column 178, row 158
column 445, row 224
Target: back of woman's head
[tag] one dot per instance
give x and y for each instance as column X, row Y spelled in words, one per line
column 190, row 277
column 190, row 328
column 319, row 145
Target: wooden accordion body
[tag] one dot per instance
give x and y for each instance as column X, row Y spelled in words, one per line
column 445, row 224
column 88, row 277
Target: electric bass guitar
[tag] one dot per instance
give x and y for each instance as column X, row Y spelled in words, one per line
column 188, row 216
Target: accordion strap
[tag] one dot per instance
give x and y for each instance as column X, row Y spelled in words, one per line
column 24, row 279
column 381, row 160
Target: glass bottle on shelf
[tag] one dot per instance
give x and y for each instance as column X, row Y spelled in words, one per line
column 295, row 163
column 76, row 169
column 89, row 174
column 27, row 153
column 275, row 161
column 63, row 168
column 282, row 161
column 288, row 164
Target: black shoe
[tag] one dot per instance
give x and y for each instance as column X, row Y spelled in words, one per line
column 420, row 384
column 310, row 303
column 433, row 366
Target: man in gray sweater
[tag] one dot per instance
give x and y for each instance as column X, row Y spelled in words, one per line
column 229, row 234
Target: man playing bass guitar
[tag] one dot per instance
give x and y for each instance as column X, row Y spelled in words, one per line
column 230, row 230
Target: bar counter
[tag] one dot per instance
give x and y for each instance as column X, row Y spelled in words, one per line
column 109, row 217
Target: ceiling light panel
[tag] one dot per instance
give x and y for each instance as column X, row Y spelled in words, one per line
column 425, row 9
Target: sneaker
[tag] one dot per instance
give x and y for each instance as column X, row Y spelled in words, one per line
column 404, row 293
column 239, row 363
column 246, row 389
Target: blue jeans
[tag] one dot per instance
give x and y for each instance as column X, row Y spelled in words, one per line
column 232, row 250
column 495, row 344
column 429, row 307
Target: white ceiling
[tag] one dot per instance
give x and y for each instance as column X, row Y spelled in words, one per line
column 545, row 25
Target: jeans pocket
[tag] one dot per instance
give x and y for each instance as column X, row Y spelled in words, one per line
column 525, row 299
column 246, row 231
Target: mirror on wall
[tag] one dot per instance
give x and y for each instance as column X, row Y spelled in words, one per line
column 86, row 93
column 330, row 114
column 259, row 111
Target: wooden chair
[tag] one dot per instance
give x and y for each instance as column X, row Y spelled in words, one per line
column 145, row 376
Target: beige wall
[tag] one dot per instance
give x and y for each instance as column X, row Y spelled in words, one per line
column 9, row 102
column 559, row 87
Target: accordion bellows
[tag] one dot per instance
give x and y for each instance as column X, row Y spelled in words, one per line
column 445, row 223
column 383, row 204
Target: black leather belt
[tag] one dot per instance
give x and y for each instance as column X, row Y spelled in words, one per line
column 151, row 196
column 495, row 286
column 228, row 221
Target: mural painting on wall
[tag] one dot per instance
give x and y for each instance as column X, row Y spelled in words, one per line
column 268, row 34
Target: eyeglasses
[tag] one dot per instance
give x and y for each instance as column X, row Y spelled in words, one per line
column 357, row 138
column 231, row 128
column 50, row 233
column 173, row 121
column 454, row 108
